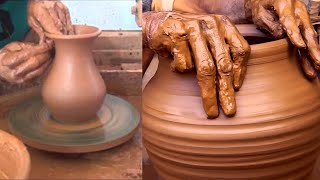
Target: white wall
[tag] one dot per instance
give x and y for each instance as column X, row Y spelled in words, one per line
column 105, row 14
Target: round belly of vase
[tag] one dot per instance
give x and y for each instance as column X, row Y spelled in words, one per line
column 274, row 135
column 73, row 107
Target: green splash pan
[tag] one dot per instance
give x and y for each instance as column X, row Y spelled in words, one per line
column 117, row 123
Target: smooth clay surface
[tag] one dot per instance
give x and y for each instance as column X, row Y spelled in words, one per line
column 274, row 135
column 14, row 158
column 74, row 90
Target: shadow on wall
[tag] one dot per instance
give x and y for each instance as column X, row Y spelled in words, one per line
column 106, row 14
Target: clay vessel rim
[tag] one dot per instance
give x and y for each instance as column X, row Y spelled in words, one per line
column 21, row 150
column 265, row 50
column 248, row 30
column 93, row 34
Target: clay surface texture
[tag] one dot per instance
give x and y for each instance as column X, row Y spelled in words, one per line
column 14, row 158
column 274, row 135
column 212, row 39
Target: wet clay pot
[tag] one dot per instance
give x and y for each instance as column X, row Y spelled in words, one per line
column 14, row 158
column 274, row 135
column 74, row 89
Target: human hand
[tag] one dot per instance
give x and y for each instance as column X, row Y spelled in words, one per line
column 49, row 16
column 211, row 38
column 280, row 17
column 233, row 9
column 21, row 62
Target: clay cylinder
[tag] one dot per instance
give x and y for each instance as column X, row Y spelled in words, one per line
column 74, row 89
column 274, row 135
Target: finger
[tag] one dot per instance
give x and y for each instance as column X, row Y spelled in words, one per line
column 8, row 75
column 285, row 10
column 69, row 24
column 206, row 70
column 54, row 13
column 42, row 48
column 34, row 24
column 240, row 50
column 65, row 16
column 220, row 50
column 268, row 21
column 36, row 73
column 8, row 54
column 13, row 59
column 48, row 20
column 182, row 58
column 180, row 46
column 61, row 18
column 307, row 67
column 32, row 64
column 26, row 51
column 308, row 33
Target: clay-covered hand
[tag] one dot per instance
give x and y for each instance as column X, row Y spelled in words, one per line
column 219, row 51
column 21, row 62
column 279, row 17
column 49, row 16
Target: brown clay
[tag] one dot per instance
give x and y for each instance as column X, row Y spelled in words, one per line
column 279, row 17
column 172, row 33
column 22, row 61
column 274, row 135
column 74, row 90
column 222, row 7
column 14, row 158
column 49, row 16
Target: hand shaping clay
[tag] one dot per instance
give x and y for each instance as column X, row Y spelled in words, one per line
column 49, row 16
column 22, row 61
column 274, row 135
column 212, row 40
column 290, row 17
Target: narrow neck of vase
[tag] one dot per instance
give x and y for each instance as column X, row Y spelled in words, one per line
column 73, row 49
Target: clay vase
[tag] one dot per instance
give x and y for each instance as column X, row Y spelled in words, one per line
column 74, row 89
column 14, row 158
column 274, row 135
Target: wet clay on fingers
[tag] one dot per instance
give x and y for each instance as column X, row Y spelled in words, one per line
column 49, row 16
column 204, row 43
column 274, row 134
column 291, row 18
column 21, row 62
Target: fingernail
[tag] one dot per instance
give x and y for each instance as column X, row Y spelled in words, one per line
column 311, row 74
column 237, row 85
column 213, row 112
column 296, row 39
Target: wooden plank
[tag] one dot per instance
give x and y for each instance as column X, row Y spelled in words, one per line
column 131, row 66
column 119, row 40
column 126, row 82
column 117, row 57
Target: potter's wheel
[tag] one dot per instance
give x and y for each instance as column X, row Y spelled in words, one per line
column 116, row 123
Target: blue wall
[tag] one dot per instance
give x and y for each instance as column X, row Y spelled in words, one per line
column 105, row 14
